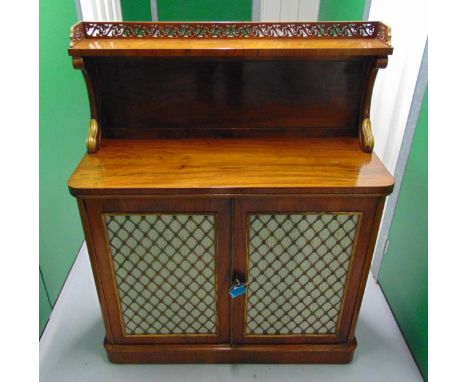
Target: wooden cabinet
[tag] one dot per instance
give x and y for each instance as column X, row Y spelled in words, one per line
column 236, row 162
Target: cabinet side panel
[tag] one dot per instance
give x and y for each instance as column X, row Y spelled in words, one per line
column 82, row 205
column 371, row 237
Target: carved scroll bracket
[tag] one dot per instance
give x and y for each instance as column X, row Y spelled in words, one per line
column 381, row 62
column 366, row 138
column 78, row 63
column 92, row 141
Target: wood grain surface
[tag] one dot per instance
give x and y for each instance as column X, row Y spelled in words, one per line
column 223, row 353
column 229, row 47
column 153, row 98
column 274, row 165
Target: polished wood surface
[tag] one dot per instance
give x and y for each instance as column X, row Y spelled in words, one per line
column 230, row 166
column 230, row 345
column 295, row 354
column 364, row 267
column 190, row 80
column 230, row 38
column 151, row 98
column 229, row 47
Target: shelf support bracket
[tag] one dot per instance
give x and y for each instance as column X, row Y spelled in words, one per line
column 92, row 141
column 366, row 139
column 94, row 133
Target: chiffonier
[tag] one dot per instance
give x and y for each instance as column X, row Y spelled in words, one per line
column 229, row 196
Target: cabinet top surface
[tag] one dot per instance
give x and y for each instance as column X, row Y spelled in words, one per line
column 224, row 166
column 230, row 39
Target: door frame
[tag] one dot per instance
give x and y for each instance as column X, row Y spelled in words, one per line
column 103, row 268
column 365, row 206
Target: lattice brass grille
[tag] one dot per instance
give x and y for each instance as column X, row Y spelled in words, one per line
column 165, row 272
column 297, row 269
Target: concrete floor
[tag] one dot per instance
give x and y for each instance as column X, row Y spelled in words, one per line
column 71, row 346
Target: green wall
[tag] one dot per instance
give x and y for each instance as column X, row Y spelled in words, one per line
column 225, row 10
column 228, row 10
column 136, row 10
column 403, row 275
column 63, row 125
column 204, row 10
column 188, row 10
column 341, row 10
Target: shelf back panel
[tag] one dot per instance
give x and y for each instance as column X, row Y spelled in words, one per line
column 154, row 97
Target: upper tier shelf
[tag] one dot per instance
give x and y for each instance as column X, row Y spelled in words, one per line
column 230, row 39
column 231, row 166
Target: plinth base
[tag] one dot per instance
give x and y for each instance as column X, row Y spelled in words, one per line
column 224, row 353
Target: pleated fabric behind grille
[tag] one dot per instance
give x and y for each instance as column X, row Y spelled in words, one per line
column 297, row 270
column 165, row 272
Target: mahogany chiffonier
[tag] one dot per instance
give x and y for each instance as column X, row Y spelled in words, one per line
column 229, row 196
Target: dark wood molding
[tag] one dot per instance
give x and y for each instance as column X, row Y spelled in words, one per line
column 224, row 353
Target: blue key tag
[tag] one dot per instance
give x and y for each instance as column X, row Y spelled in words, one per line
column 238, row 289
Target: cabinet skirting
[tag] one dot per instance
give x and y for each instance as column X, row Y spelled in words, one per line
column 224, row 353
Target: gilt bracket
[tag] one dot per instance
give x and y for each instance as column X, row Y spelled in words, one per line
column 366, row 137
column 92, row 141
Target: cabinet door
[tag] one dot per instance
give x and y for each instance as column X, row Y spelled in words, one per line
column 162, row 268
column 303, row 260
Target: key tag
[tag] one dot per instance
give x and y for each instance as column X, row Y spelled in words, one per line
column 238, row 289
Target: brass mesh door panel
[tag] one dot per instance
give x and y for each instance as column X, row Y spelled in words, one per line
column 164, row 267
column 297, row 270
column 167, row 263
column 298, row 258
